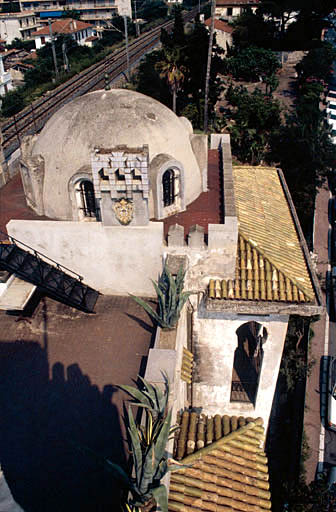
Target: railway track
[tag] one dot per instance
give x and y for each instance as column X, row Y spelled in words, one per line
column 32, row 119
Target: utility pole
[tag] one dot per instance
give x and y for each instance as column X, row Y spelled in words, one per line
column 126, row 41
column 53, row 48
column 137, row 28
column 65, row 58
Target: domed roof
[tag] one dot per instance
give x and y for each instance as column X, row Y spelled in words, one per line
column 106, row 119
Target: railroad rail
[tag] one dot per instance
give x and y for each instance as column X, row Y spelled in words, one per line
column 32, row 119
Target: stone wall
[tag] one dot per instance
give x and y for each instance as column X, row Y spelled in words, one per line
column 214, row 344
column 113, row 260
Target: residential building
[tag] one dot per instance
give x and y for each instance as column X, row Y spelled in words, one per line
column 91, row 11
column 78, row 30
column 18, row 25
column 6, row 83
column 230, row 9
column 223, row 32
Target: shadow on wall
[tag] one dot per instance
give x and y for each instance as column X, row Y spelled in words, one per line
column 44, row 422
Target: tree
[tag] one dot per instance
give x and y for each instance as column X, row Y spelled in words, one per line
column 254, row 120
column 280, row 12
column 71, row 13
column 317, row 64
column 207, row 77
column 172, row 70
column 251, row 29
column 153, row 9
column 252, row 64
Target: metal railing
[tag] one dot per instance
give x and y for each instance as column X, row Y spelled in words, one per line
column 4, row 237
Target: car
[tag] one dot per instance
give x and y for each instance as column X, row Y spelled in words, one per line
column 331, row 420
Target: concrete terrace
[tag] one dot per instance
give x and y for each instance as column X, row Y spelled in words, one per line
column 208, row 207
column 58, row 396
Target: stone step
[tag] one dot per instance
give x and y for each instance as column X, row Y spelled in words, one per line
column 17, row 295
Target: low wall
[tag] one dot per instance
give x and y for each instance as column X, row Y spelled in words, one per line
column 114, row 260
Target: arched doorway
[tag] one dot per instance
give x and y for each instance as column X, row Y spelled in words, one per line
column 247, row 362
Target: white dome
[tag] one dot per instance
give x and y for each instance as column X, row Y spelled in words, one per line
column 105, row 119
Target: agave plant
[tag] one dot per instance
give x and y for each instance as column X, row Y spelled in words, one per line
column 171, row 298
column 147, row 444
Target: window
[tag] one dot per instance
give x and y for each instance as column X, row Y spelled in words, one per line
column 229, row 11
column 42, row 40
column 247, row 362
column 168, row 183
column 88, row 201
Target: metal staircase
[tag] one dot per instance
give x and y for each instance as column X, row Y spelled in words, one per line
column 53, row 279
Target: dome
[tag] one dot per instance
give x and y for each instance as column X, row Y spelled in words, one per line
column 106, row 119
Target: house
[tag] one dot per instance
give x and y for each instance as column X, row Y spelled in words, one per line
column 92, row 12
column 78, row 30
column 6, row 83
column 18, row 25
column 223, row 32
column 230, row 9
column 116, row 184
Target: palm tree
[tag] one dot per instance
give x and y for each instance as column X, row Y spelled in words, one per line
column 173, row 71
column 207, row 78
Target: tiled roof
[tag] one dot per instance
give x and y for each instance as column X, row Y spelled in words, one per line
column 266, row 222
column 256, row 279
column 220, row 25
column 227, row 468
column 64, row 26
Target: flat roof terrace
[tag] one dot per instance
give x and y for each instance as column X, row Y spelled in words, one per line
column 58, row 397
column 208, row 207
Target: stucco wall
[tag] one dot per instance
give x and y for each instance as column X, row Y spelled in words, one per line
column 214, row 344
column 114, row 260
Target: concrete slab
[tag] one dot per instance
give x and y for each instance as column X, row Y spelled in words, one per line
column 17, row 295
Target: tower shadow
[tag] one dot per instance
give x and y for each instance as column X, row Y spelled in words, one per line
column 48, row 428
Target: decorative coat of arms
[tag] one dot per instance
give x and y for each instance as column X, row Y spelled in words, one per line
column 124, row 211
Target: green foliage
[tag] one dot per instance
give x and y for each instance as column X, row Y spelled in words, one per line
column 295, row 364
column 283, row 24
column 153, row 9
column 12, row 102
column 253, row 30
column 20, row 44
column 10, row 6
column 147, row 444
column 71, row 13
column 315, row 497
column 191, row 61
column 252, row 64
column 317, row 64
column 254, row 119
column 171, row 299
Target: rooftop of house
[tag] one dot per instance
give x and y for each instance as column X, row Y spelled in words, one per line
column 64, row 26
column 220, row 25
column 225, row 465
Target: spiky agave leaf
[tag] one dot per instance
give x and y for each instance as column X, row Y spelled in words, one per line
column 160, row 495
column 142, row 400
column 147, row 308
column 135, row 447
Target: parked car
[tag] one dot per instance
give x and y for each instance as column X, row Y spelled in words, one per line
column 332, row 394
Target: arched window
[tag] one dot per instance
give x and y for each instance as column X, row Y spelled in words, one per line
column 247, row 362
column 168, row 184
column 88, row 201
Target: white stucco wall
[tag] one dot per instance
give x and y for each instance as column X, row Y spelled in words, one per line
column 113, row 260
column 214, row 343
